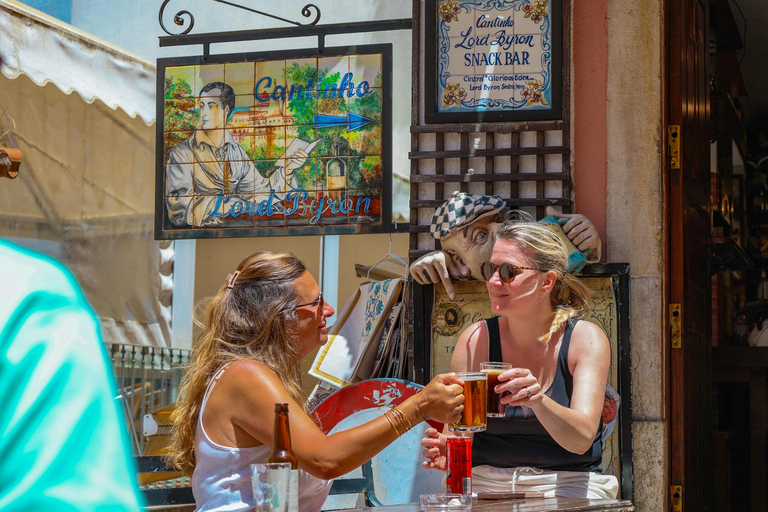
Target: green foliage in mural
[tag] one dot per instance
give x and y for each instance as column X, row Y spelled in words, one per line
column 369, row 105
column 365, row 173
column 180, row 111
column 262, row 158
column 302, row 109
column 265, row 167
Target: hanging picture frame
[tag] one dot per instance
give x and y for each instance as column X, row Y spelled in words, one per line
column 294, row 142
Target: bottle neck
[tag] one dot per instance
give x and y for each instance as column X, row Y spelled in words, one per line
column 281, row 436
column 281, row 441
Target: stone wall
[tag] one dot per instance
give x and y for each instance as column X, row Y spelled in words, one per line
column 636, row 229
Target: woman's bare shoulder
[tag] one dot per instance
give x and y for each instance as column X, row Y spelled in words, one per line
column 248, row 366
column 475, row 333
column 472, row 342
column 250, row 375
column 589, row 339
column 588, row 328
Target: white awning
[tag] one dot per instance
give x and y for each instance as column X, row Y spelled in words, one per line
column 85, row 190
column 47, row 50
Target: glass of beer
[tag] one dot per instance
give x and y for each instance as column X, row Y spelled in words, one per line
column 473, row 417
column 496, row 409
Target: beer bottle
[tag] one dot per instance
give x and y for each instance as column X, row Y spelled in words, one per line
column 281, row 452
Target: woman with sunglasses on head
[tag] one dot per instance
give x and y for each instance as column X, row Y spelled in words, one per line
column 549, row 439
column 257, row 329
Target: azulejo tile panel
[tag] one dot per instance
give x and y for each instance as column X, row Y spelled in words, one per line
column 490, row 52
column 274, row 142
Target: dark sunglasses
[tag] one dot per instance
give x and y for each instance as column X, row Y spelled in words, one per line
column 319, row 301
column 507, row 272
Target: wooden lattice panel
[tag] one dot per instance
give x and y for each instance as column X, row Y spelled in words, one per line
column 527, row 164
column 530, row 169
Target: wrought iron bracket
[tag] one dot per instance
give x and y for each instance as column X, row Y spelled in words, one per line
column 179, row 17
column 184, row 38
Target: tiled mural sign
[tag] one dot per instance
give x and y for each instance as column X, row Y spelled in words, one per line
column 287, row 144
column 495, row 56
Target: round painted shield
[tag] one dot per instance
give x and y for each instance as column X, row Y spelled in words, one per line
column 397, row 474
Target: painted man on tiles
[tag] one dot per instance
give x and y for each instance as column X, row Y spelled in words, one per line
column 210, row 165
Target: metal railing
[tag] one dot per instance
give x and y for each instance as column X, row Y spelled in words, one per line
column 148, row 379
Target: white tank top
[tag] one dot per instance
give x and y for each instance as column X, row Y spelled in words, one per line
column 222, row 477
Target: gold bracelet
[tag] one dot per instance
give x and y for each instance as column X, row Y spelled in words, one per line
column 405, row 423
column 386, row 415
column 404, row 418
column 401, row 430
column 397, row 419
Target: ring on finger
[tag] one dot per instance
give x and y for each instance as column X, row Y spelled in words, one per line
column 528, row 392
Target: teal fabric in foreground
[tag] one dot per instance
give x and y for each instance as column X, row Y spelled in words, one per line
column 63, row 442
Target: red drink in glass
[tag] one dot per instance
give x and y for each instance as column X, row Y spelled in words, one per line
column 459, row 456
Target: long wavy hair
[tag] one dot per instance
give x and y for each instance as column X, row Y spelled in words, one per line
column 546, row 251
column 255, row 320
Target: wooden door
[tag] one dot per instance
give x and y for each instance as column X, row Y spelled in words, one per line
column 688, row 262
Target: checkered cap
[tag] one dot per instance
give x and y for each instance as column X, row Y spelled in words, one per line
column 462, row 209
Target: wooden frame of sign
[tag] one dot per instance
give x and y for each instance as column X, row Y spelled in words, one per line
column 301, row 143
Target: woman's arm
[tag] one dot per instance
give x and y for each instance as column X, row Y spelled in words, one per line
column 574, row 428
column 466, row 357
column 249, row 391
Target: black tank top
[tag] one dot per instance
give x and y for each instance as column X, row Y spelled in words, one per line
column 518, row 439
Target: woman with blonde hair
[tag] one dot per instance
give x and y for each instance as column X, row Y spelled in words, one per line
column 549, row 439
column 257, row 329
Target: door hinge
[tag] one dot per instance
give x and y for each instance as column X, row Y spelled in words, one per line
column 676, row 497
column 673, row 145
column 675, row 325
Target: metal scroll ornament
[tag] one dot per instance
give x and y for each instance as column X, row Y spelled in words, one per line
column 180, row 17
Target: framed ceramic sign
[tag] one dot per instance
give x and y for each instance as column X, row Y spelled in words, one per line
column 493, row 60
column 277, row 143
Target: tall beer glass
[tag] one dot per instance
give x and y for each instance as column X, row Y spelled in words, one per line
column 473, row 417
column 496, row 409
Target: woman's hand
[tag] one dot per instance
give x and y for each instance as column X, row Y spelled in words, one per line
column 434, row 450
column 522, row 387
column 442, row 399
